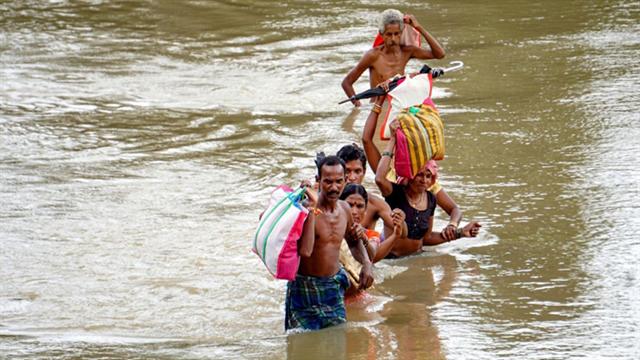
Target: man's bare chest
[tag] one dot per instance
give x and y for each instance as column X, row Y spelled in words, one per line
column 387, row 66
column 331, row 228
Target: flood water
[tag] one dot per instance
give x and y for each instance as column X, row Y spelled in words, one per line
column 139, row 141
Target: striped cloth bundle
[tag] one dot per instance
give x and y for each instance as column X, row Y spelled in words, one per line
column 419, row 138
column 276, row 239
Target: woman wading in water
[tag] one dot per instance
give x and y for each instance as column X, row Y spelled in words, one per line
column 417, row 203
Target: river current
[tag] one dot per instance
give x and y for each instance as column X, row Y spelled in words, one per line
column 139, row 141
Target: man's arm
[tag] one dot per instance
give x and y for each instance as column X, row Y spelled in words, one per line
column 355, row 241
column 436, row 50
column 399, row 226
column 308, row 236
column 384, row 212
column 358, row 251
column 436, row 238
column 386, row 186
column 370, row 149
column 347, row 84
column 431, row 237
column 455, row 214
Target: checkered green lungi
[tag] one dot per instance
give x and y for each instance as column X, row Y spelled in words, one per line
column 316, row 302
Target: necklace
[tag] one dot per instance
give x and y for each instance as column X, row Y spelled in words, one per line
column 416, row 203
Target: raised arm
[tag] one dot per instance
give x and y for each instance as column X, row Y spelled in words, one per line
column 370, row 149
column 436, row 50
column 355, row 73
column 386, row 186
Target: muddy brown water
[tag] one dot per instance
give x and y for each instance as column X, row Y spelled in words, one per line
column 140, row 139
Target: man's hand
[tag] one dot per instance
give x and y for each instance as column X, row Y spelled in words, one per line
column 398, row 217
column 356, row 103
column 385, row 84
column 411, row 21
column 449, row 232
column 366, row 276
column 471, row 229
column 312, row 196
column 397, row 231
column 357, row 232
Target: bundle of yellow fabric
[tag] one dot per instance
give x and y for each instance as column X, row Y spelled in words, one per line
column 419, row 139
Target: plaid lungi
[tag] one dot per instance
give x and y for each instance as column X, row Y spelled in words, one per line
column 316, row 302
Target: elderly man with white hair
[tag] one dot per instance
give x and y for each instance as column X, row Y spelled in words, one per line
column 390, row 58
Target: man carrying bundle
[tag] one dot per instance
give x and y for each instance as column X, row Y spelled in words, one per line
column 391, row 58
column 315, row 299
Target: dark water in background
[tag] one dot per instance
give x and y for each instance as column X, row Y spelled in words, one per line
column 139, row 141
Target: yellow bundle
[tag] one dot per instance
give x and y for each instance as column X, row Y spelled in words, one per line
column 419, row 139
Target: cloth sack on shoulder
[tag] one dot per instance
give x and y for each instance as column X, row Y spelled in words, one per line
column 419, row 138
column 276, row 239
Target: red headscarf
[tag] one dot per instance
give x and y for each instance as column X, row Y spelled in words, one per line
column 431, row 165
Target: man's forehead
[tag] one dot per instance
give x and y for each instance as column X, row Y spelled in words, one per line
column 332, row 171
column 354, row 164
column 392, row 28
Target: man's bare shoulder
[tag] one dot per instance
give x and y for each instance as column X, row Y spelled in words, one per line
column 372, row 54
column 378, row 202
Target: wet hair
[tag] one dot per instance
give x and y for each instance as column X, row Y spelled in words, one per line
column 331, row 160
column 352, row 152
column 351, row 189
column 388, row 17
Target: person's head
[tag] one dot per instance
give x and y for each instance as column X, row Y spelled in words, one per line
column 425, row 178
column 390, row 27
column 330, row 177
column 356, row 196
column 355, row 163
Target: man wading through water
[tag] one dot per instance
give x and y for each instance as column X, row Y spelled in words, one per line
column 315, row 299
column 391, row 57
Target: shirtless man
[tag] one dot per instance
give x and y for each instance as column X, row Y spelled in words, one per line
column 391, row 58
column 315, row 299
